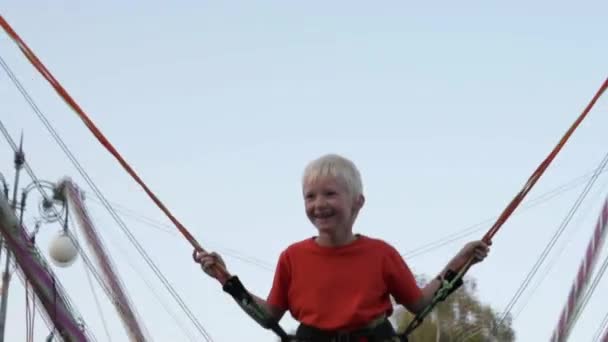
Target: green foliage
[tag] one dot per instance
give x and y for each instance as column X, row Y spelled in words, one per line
column 462, row 317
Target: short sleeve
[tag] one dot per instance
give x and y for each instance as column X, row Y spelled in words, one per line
column 400, row 280
column 278, row 296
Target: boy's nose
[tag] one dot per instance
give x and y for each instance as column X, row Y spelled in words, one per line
column 321, row 202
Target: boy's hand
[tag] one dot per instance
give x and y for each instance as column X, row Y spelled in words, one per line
column 478, row 250
column 209, row 261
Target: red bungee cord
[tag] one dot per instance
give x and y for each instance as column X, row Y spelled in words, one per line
column 221, row 274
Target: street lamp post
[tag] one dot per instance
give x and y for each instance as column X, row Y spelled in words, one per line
column 19, row 245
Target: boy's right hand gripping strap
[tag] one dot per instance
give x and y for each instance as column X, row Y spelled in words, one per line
column 445, row 290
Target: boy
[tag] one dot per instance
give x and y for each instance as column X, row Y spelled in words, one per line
column 340, row 283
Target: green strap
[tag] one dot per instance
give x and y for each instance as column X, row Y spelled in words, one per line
column 450, row 283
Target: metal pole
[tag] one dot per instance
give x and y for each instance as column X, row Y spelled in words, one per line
column 6, row 276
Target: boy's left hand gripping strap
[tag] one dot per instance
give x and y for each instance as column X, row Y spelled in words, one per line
column 235, row 288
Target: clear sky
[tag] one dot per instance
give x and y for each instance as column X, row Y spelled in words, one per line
column 447, row 108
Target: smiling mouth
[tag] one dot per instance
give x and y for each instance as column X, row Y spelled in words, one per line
column 324, row 216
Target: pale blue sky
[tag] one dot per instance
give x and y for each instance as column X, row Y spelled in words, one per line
column 446, row 108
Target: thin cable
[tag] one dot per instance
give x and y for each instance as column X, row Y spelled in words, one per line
column 127, row 312
column 426, row 248
column 148, row 284
column 68, row 305
column 221, row 274
column 515, row 202
column 545, row 197
column 422, row 250
column 160, row 226
column 86, row 260
column 550, row 265
column 118, row 220
column 38, row 306
column 84, row 256
column 97, row 304
column 601, row 329
column 540, row 170
column 550, row 245
column 589, row 293
column 38, row 65
column 46, row 315
column 474, row 332
column 553, row 240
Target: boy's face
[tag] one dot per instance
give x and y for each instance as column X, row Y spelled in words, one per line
column 329, row 206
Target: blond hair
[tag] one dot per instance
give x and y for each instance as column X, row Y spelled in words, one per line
column 338, row 167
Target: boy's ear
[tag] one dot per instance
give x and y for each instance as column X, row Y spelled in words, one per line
column 359, row 202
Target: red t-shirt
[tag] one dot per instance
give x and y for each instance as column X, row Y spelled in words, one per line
column 341, row 287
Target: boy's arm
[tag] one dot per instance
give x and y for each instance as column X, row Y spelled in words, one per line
column 428, row 292
column 477, row 250
column 260, row 310
column 275, row 312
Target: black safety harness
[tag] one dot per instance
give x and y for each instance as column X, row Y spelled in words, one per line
column 379, row 330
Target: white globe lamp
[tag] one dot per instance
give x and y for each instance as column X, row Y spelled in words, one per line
column 62, row 250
